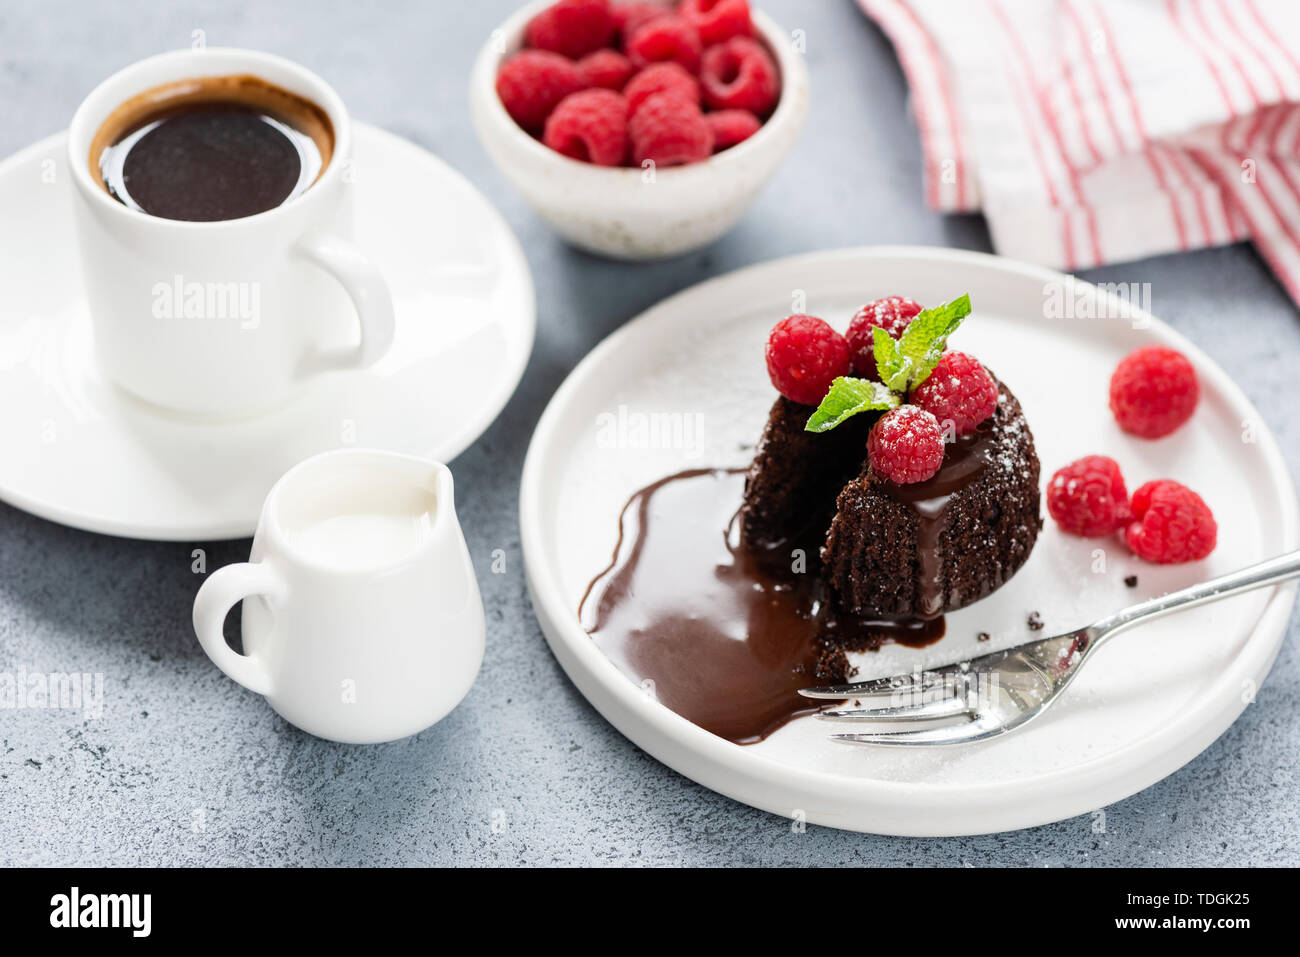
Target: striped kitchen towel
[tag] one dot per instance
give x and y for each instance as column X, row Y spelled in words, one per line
column 1096, row 131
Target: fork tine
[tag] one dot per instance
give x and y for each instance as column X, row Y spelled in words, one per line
column 942, row 708
column 950, row 734
column 892, row 685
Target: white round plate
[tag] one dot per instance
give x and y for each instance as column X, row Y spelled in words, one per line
column 77, row 450
column 1146, row 705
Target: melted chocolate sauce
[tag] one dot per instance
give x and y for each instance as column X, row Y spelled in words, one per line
column 963, row 462
column 727, row 636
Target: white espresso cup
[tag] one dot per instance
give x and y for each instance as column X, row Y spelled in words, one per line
column 362, row 620
column 225, row 318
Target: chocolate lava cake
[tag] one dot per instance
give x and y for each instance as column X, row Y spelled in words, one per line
column 895, row 480
column 897, row 550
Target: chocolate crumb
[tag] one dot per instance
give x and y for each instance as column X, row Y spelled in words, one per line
column 1034, row 621
column 1131, row 581
column 832, row 665
column 982, row 636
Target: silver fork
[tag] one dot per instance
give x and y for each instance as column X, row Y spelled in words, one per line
column 1001, row 691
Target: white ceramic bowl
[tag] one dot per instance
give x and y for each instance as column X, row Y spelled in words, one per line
column 630, row 213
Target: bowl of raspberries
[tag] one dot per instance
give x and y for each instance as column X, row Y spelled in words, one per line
column 639, row 129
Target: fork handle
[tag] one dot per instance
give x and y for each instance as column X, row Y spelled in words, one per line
column 1269, row 572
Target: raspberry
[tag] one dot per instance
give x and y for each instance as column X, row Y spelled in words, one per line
column 905, row 445
column 1088, row 497
column 1171, row 524
column 531, row 83
column 665, row 38
column 958, row 390
column 717, row 20
column 739, row 75
column 607, row 69
column 892, row 314
column 1153, row 391
column 637, row 13
column 661, row 78
column 571, row 28
column 731, row 127
column 804, row 355
column 669, row 131
column 590, row 126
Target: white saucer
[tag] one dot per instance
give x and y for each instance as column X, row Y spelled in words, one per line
column 77, row 450
column 1150, row 701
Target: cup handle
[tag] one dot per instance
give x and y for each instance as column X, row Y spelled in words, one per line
column 367, row 289
column 225, row 588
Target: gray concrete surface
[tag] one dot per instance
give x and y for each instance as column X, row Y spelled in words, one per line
column 185, row 767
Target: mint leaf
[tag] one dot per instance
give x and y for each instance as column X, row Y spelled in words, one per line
column 891, row 365
column 923, row 341
column 847, row 397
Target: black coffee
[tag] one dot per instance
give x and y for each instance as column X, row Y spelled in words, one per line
column 210, row 149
